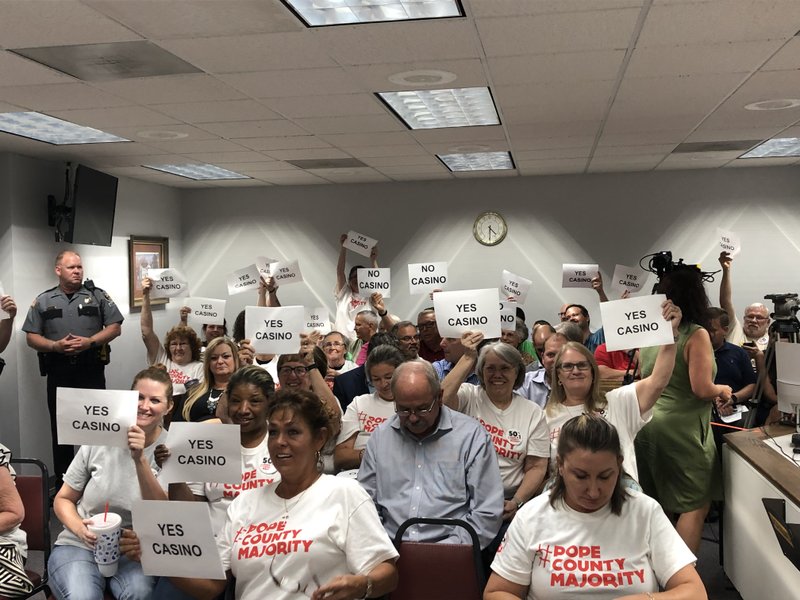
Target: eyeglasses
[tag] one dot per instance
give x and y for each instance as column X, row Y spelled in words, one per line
column 178, row 344
column 333, row 345
column 755, row 318
column 428, row 325
column 409, row 338
column 420, row 412
column 581, row 366
column 298, row 371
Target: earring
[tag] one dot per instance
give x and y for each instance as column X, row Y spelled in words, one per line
column 320, row 463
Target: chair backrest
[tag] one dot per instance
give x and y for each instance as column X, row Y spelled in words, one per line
column 33, row 489
column 432, row 571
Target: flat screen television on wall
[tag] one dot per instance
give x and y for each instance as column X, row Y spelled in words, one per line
column 94, row 200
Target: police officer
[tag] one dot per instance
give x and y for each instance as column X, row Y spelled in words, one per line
column 70, row 327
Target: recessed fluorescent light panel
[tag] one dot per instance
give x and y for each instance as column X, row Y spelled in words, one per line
column 198, row 172
column 434, row 109
column 44, row 128
column 319, row 13
column 777, row 148
column 478, row 161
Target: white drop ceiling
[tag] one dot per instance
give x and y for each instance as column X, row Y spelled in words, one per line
column 581, row 86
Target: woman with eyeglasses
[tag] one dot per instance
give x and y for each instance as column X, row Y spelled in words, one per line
column 368, row 411
column 311, row 535
column 516, row 425
column 181, row 350
column 590, row 536
column 334, row 345
column 220, row 361
column 628, row 408
column 678, row 461
column 306, row 371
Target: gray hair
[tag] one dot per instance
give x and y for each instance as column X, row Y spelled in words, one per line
column 383, row 354
column 371, row 316
column 418, row 364
column 506, row 353
column 522, row 330
column 345, row 339
column 571, row 331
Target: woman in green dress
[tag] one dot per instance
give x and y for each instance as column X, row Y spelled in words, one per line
column 676, row 454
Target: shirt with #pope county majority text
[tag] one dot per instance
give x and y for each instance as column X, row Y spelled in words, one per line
column 332, row 529
column 257, row 471
column 517, row 431
column 363, row 415
column 558, row 552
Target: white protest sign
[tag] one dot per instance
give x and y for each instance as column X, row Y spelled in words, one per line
column 263, row 265
column 467, row 310
column 631, row 279
column 207, row 452
column 317, row 319
column 176, row 539
column 515, row 286
column 635, row 323
column 729, row 242
column 207, row 310
column 243, row 280
column 3, row 314
column 578, row 275
column 274, row 330
column 374, row 280
column 95, row 417
column 359, row 243
column 286, row 272
column 508, row 315
column 426, row 277
column 167, row 283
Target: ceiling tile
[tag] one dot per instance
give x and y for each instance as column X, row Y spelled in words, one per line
column 293, row 142
column 787, row 58
column 60, row 96
column 340, row 105
column 218, row 111
column 22, row 71
column 194, row 146
column 218, row 158
column 352, row 124
column 158, row 90
column 253, row 129
column 375, row 151
column 389, row 138
column 564, row 67
column 295, row 82
column 511, row 8
column 305, row 153
column 694, row 59
column 467, row 73
column 116, row 117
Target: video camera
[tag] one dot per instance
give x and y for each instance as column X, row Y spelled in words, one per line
column 786, row 306
column 661, row 263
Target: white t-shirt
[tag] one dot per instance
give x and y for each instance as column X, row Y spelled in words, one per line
column 621, row 410
column 257, row 471
column 180, row 373
column 518, row 431
column 363, row 415
column 348, row 305
column 271, row 367
column 331, row 529
column 737, row 337
column 562, row 553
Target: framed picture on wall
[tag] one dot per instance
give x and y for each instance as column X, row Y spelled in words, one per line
column 145, row 253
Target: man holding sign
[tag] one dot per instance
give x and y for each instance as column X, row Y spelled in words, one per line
column 756, row 316
column 349, row 302
column 70, row 327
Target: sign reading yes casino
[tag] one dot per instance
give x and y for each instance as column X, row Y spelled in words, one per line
column 203, row 452
column 578, row 275
column 359, row 243
column 635, row 323
column 467, row 310
column 274, row 330
column 95, row 417
column 207, row 311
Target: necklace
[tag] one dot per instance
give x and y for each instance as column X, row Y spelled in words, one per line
column 287, row 507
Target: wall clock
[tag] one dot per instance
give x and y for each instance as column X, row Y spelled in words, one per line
column 490, row 228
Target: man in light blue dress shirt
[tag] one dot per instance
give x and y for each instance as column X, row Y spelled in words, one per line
column 430, row 461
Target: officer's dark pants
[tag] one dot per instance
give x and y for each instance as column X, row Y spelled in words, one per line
column 65, row 374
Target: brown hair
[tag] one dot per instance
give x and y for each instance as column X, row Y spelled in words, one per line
column 187, row 333
column 596, row 401
column 156, row 373
column 208, row 379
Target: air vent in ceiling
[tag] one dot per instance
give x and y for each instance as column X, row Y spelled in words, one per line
column 327, row 163
column 723, row 146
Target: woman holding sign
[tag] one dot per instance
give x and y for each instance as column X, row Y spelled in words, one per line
column 628, row 408
column 676, row 450
column 103, row 478
column 311, row 535
column 181, row 350
column 220, row 362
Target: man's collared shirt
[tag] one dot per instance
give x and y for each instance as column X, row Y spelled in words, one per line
column 443, row 368
column 535, row 387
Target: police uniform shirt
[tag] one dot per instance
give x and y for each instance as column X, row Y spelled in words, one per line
column 54, row 315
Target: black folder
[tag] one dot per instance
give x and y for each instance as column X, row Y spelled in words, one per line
column 788, row 534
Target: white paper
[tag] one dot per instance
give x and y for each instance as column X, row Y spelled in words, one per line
column 359, row 243
column 286, row 272
column 729, row 242
column 635, row 323
column 3, row 314
column 167, row 283
column 467, row 310
column 209, row 311
column 95, row 417
column 738, row 413
column 374, row 280
column 176, row 539
column 243, row 280
column 578, row 275
column 203, row 452
column 515, row 286
column 263, row 265
column 627, row 278
column 424, row 278
column 508, row 315
column 317, row 319
column 274, row 330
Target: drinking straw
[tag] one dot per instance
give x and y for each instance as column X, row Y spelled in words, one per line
column 105, row 514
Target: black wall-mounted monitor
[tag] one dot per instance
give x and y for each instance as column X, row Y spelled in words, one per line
column 94, row 200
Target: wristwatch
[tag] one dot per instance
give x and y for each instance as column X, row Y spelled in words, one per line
column 368, row 591
column 734, row 399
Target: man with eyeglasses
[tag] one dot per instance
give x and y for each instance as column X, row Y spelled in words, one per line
column 754, row 330
column 537, row 384
column 430, row 461
column 407, row 335
column 429, row 338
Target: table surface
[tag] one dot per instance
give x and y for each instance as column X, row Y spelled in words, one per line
column 782, row 473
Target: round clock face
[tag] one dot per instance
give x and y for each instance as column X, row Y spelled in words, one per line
column 490, row 229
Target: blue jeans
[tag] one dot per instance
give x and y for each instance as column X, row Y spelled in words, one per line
column 74, row 576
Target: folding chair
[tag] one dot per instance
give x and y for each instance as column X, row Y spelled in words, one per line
column 431, row 571
column 33, row 489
